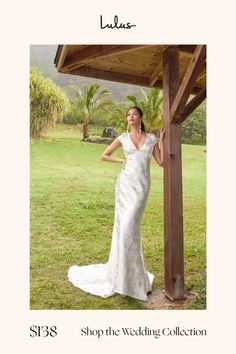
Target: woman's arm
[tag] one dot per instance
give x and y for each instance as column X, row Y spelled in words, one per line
column 106, row 156
column 158, row 152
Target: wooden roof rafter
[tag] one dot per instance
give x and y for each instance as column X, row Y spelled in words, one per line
column 112, row 76
column 60, row 56
column 179, row 111
column 93, row 52
column 157, row 72
column 193, row 104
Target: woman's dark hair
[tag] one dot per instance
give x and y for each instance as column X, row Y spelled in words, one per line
column 141, row 115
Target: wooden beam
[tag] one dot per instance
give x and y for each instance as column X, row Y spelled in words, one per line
column 187, row 48
column 92, row 52
column 80, row 57
column 202, row 75
column 159, row 84
column 111, row 76
column 193, row 104
column 194, row 68
column 173, row 205
column 62, row 55
column 118, row 77
column 156, row 74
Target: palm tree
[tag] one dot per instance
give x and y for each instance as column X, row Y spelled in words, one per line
column 151, row 105
column 117, row 115
column 88, row 100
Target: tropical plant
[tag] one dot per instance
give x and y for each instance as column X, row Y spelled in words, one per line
column 72, row 116
column 151, row 105
column 194, row 127
column 48, row 103
column 90, row 101
column 117, row 116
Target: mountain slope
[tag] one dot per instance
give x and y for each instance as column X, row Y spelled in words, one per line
column 42, row 56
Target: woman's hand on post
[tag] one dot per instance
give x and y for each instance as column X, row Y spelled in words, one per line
column 162, row 133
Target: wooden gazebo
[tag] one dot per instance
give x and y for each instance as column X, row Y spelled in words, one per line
column 180, row 70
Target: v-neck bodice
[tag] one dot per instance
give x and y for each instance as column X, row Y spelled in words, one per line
column 129, row 147
column 146, row 137
column 137, row 160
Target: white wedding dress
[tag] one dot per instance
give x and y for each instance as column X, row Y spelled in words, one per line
column 125, row 271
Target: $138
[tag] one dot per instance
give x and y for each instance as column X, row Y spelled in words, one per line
column 43, row 331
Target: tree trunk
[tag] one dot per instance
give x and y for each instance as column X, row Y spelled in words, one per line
column 85, row 131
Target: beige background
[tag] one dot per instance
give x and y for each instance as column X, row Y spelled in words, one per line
column 77, row 22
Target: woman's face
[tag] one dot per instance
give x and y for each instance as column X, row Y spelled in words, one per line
column 133, row 117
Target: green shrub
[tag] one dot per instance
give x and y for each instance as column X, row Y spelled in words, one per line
column 73, row 116
column 48, row 103
column 194, row 127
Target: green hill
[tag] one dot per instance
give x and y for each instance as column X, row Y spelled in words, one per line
column 43, row 56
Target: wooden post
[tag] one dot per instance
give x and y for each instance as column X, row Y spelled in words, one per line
column 173, row 205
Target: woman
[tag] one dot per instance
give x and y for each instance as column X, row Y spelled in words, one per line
column 125, row 271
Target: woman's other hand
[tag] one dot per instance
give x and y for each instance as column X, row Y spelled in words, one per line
column 162, row 133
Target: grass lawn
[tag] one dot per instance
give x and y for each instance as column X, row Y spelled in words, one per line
column 72, row 211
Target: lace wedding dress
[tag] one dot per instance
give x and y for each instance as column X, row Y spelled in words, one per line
column 125, row 271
